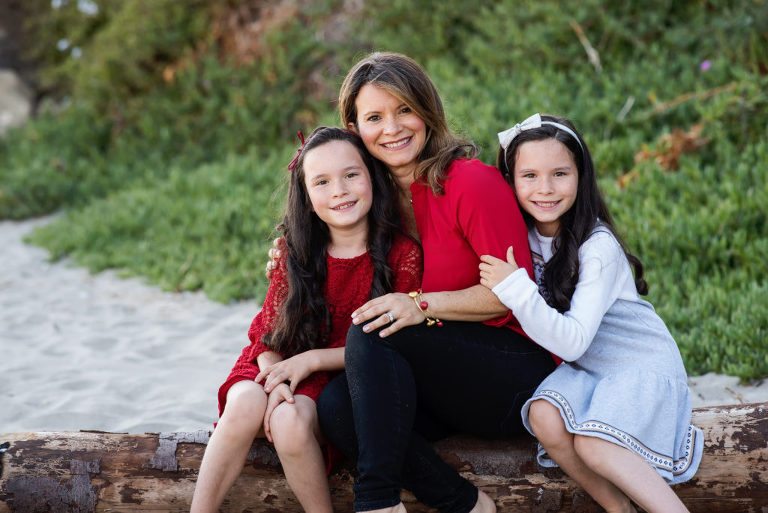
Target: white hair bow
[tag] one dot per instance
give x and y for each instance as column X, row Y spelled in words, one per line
column 507, row 135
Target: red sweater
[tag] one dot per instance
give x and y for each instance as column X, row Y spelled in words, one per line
column 477, row 215
column 347, row 287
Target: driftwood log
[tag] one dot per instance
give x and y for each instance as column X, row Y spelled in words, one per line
column 108, row 472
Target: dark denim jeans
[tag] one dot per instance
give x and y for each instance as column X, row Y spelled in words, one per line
column 420, row 384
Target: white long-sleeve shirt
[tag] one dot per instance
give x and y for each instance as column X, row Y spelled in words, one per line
column 604, row 277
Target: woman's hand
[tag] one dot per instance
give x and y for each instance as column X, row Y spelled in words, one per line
column 493, row 270
column 281, row 394
column 401, row 307
column 294, row 370
column 274, row 254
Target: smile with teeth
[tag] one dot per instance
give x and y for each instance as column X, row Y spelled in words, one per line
column 546, row 204
column 344, row 206
column 397, row 144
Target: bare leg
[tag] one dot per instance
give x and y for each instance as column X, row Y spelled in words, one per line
column 229, row 445
column 397, row 508
column 630, row 472
column 296, row 433
column 484, row 504
column 549, row 428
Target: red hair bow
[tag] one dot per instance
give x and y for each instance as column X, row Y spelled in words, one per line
column 292, row 165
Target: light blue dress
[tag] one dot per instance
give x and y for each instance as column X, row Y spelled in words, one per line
column 623, row 379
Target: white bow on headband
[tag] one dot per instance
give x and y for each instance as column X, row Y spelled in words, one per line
column 506, row 137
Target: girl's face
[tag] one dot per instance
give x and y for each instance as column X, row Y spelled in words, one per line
column 339, row 186
column 391, row 131
column 546, row 180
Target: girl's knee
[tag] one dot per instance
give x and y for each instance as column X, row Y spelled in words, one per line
column 246, row 402
column 547, row 423
column 293, row 427
column 590, row 449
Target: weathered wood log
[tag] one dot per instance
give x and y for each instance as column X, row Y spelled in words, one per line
column 107, row 472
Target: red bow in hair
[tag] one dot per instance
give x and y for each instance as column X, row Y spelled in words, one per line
column 292, row 165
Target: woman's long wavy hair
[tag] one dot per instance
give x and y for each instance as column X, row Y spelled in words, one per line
column 561, row 274
column 405, row 79
column 304, row 320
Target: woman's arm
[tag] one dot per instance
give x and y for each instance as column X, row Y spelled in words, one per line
column 475, row 303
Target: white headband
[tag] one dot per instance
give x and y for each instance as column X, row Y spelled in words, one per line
column 506, row 137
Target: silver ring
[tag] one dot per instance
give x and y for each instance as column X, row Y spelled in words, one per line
column 391, row 317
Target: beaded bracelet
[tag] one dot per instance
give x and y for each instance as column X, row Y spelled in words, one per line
column 423, row 306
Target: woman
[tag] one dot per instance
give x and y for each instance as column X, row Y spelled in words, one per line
column 449, row 357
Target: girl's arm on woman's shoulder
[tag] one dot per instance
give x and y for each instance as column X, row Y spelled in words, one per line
column 602, row 268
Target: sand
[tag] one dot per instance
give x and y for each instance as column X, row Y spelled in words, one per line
column 97, row 352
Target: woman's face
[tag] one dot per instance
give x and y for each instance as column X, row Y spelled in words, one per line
column 391, row 131
column 546, row 182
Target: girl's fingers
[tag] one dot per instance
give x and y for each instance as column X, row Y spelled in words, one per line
column 273, row 379
column 490, row 259
column 288, row 395
column 261, row 375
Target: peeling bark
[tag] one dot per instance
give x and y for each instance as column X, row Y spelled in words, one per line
column 88, row 472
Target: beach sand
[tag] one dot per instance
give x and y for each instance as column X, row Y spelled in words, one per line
column 97, row 352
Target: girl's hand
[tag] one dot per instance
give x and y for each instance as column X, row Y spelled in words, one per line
column 493, row 270
column 274, row 254
column 281, row 394
column 294, row 370
column 401, row 306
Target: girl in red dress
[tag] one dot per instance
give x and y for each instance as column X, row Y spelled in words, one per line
column 342, row 247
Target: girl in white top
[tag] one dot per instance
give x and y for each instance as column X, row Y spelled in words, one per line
column 616, row 415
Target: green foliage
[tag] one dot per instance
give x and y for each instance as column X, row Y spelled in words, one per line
column 117, row 50
column 701, row 233
column 207, row 228
column 167, row 156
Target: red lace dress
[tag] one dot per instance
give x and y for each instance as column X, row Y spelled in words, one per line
column 347, row 287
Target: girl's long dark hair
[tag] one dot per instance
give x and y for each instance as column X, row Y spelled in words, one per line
column 304, row 320
column 561, row 274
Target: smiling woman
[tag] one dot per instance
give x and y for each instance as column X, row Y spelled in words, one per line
column 391, row 131
column 469, row 367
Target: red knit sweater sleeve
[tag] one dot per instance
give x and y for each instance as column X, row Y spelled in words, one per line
column 266, row 319
column 406, row 262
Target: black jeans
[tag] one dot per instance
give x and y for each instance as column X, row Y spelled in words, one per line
column 417, row 385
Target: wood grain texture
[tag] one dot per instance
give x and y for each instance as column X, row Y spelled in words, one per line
column 86, row 472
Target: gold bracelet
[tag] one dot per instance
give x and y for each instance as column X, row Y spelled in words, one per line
column 423, row 307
